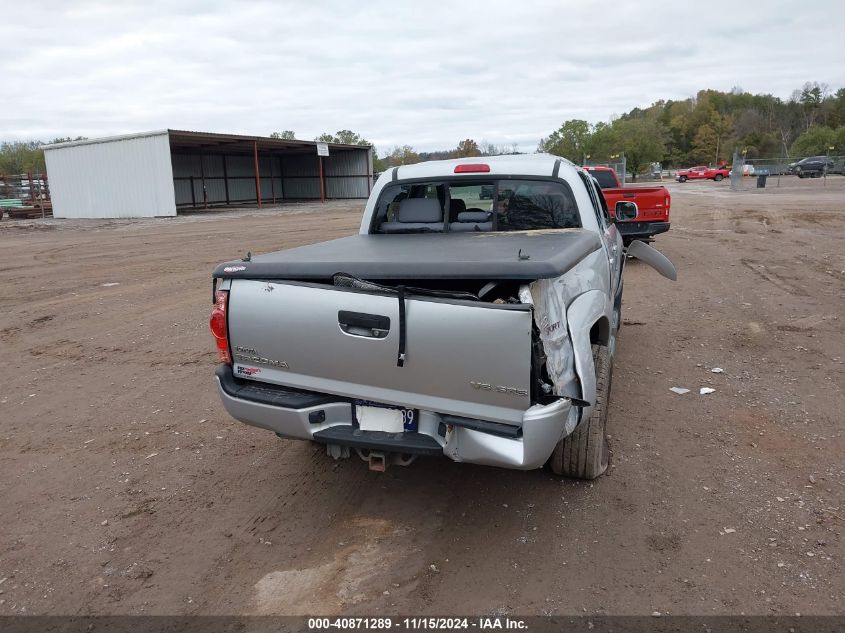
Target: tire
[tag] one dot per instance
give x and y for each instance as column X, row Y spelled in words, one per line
column 718, row 177
column 584, row 454
column 682, row 179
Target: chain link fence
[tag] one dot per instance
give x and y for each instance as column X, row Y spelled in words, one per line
column 618, row 165
column 784, row 166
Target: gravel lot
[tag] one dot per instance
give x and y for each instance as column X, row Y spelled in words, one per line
column 125, row 488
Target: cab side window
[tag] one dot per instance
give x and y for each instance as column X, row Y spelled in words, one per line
column 605, row 212
column 591, row 191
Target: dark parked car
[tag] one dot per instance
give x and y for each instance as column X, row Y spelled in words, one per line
column 812, row 167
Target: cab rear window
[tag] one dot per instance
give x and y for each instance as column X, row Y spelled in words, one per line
column 483, row 206
column 605, row 178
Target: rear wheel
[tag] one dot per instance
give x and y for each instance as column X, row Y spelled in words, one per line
column 584, row 454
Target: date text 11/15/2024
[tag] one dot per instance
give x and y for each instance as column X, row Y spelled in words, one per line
column 485, row 623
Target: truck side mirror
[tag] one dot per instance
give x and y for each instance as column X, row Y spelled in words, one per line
column 626, row 211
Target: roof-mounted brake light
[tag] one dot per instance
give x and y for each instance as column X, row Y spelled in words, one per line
column 472, row 168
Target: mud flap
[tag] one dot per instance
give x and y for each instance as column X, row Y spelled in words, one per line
column 653, row 258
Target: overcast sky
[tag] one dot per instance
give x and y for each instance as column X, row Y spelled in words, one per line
column 424, row 73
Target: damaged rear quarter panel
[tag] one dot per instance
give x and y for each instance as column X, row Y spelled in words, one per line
column 583, row 313
column 586, row 292
column 576, row 300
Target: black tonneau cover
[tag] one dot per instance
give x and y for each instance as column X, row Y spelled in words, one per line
column 523, row 255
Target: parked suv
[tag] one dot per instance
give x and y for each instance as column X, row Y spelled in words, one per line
column 812, row 166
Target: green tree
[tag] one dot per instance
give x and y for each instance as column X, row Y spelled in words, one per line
column 569, row 140
column 347, row 137
column 703, row 145
column 814, row 141
column 721, row 126
column 811, row 97
column 836, row 109
column 379, row 164
column 466, row 148
column 404, row 155
column 20, row 157
column 642, row 140
column 603, row 143
column 287, row 135
column 839, row 141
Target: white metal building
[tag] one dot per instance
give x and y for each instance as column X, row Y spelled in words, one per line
column 154, row 174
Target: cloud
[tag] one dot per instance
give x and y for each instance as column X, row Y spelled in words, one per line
column 426, row 74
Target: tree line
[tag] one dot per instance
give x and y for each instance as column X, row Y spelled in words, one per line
column 707, row 128
column 25, row 157
column 405, row 154
column 704, row 129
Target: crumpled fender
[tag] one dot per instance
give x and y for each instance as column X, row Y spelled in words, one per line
column 581, row 315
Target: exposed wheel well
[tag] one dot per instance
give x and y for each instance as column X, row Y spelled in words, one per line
column 600, row 332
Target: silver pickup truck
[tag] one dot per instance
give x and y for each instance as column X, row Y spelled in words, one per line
column 477, row 328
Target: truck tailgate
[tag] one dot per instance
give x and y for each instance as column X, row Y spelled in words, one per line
column 465, row 358
column 653, row 202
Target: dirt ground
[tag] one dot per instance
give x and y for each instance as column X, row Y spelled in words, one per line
column 125, row 488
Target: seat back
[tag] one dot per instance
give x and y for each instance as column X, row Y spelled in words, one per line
column 415, row 214
column 473, row 220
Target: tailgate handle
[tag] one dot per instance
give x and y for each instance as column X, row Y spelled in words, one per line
column 362, row 324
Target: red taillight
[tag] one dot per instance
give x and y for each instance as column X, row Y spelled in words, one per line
column 220, row 327
column 472, row 168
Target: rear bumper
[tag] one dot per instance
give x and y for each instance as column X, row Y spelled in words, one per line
column 635, row 230
column 328, row 419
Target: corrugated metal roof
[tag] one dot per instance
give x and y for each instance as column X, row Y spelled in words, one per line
column 104, row 139
column 189, row 136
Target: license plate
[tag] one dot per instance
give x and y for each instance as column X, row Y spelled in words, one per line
column 374, row 416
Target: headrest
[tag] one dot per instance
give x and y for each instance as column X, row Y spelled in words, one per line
column 457, row 205
column 473, row 216
column 420, row 210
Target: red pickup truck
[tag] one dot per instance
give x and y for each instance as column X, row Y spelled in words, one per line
column 702, row 172
column 652, row 204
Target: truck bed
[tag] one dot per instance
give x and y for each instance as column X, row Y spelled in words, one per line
column 523, row 255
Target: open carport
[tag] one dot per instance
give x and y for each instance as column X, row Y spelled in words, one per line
column 155, row 174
